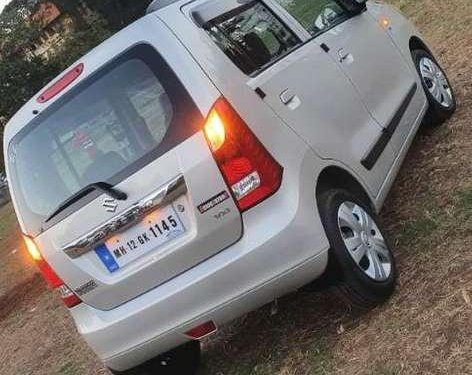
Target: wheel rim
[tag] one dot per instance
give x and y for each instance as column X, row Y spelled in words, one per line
column 364, row 241
column 436, row 82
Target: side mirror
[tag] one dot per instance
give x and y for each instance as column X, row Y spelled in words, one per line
column 355, row 6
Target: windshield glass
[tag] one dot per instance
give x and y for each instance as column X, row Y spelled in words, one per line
column 95, row 134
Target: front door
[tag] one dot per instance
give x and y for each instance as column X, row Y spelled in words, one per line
column 366, row 54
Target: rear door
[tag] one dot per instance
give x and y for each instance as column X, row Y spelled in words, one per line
column 132, row 122
column 366, row 54
column 297, row 79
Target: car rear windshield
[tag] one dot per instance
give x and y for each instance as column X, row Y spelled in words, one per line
column 129, row 113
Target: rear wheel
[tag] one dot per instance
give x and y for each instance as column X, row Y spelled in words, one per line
column 183, row 360
column 361, row 253
column 441, row 98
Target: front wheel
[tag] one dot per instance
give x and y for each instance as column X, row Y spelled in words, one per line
column 441, row 98
column 359, row 248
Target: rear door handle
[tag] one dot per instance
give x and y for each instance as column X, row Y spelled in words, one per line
column 287, row 96
column 343, row 55
column 290, row 99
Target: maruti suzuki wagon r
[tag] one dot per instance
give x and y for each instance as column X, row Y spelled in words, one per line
column 214, row 156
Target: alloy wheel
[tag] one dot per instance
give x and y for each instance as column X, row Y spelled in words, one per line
column 436, row 82
column 364, row 241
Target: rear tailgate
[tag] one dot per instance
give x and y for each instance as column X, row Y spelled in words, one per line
column 179, row 210
column 191, row 169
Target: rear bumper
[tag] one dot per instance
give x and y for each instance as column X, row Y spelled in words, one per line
column 282, row 249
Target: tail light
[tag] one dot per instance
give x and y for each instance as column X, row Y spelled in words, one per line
column 248, row 168
column 67, row 296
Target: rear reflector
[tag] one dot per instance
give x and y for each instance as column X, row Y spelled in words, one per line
column 62, row 84
column 202, row 330
column 54, row 281
column 248, row 168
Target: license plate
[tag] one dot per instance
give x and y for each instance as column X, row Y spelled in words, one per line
column 155, row 230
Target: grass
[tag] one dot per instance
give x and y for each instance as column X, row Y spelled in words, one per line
column 464, row 202
column 385, row 371
column 321, row 361
column 7, row 221
column 68, row 369
column 418, row 228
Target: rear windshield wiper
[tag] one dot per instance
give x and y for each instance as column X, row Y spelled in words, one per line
column 101, row 186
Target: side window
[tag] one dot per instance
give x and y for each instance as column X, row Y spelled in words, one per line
column 315, row 15
column 252, row 36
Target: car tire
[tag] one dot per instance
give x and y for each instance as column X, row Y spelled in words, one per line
column 359, row 252
column 183, row 360
column 436, row 85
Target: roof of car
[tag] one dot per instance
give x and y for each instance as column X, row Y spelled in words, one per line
column 159, row 4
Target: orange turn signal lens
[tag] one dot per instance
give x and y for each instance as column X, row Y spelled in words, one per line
column 215, row 130
column 384, row 22
column 32, row 249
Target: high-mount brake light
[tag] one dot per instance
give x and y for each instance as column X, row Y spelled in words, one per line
column 248, row 168
column 67, row 296
column 61, row 84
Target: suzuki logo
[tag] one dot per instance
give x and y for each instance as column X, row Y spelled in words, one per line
column 110, row 205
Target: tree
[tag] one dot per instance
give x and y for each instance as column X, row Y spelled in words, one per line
column 76, row 44
column 118, row 13
column 20, row 80
column 16, row 29
column 22, row 76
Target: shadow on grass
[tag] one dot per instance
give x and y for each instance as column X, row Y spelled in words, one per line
column 300, row 336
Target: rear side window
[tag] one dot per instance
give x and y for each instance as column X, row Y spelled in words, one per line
column 129, row 113
column 252, row 36
column 315, row 16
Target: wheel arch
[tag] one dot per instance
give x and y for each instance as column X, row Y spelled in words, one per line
column 417, row 43
column 333, row 177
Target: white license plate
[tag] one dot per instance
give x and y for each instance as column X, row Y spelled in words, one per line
column 153, row 231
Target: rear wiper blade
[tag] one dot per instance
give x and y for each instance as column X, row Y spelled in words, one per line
column 101, row 186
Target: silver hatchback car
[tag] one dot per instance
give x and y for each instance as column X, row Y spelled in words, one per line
column 213, row 156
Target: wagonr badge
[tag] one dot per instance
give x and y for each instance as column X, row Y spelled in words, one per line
column 110, row 205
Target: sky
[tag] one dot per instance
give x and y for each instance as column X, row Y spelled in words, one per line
column 3, row 3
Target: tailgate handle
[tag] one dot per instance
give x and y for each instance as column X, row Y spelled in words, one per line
column 136, row 212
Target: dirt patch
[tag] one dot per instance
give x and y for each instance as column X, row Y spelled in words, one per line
column 24, row 293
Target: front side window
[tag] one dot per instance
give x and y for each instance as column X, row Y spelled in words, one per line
column 252, row 37
column 315, row 16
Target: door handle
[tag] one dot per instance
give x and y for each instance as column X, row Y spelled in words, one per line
column 290, row 99
column 343, row 55
column 287, row 96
